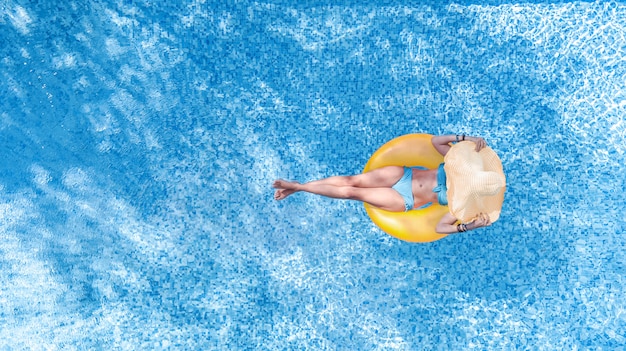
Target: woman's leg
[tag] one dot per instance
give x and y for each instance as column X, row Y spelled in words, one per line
column 373, row 187
column 384, row 177
column 384, row 198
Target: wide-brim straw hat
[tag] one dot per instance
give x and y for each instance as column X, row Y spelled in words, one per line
column 475, row 181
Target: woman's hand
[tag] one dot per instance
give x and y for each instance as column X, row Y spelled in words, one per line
column 481, row 221
column 447, row 224
column 480, row 142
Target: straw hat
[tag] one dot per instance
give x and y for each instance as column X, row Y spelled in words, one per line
column 475, row 182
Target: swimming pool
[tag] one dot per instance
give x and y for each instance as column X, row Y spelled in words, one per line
column 140, row 141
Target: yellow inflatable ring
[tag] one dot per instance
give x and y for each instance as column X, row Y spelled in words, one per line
column 414, row 225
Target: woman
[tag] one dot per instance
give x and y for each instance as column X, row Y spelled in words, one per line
column 477, row 184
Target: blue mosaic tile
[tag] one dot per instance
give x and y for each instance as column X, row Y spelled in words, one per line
column 141, row 139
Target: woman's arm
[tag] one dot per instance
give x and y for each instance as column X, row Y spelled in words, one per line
column 442, row 142
column 447, row 224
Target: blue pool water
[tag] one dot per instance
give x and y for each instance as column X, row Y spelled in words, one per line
column 139, row 141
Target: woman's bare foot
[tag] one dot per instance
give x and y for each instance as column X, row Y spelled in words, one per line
column 285, row 189
column 280, row 194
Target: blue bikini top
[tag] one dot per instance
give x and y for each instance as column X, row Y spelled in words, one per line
column 441, row 189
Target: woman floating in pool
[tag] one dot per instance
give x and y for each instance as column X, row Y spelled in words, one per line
column 470, row 182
